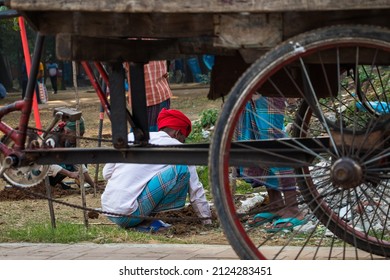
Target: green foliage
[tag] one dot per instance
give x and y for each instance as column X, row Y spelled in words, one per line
column 207, row 119
column 196, row 133
column 203, row 173
column 204, row 79
column 364, row 75
column 243, row 187
column 11, row 46
column 9, row 36
column 11, row 49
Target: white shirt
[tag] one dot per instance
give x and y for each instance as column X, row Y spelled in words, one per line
column 126, row 181
column 54, row 169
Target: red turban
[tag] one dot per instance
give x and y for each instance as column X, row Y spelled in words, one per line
column 174, row 119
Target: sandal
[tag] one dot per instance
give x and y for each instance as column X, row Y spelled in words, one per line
column 262, row 218
column 292, row 221
column 155, row 226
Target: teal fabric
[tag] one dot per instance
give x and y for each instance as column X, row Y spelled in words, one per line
column 167, row 190
column 263, row 118
column 72, row 126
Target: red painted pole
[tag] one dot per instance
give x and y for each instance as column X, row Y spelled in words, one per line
column 27, row 58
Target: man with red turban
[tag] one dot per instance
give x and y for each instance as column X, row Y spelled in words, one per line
column 174, row 120
column 136, row 190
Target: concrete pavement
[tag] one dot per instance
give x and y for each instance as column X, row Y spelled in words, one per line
column 91, row 251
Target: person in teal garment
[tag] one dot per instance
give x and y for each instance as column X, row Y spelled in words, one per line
column 263, row 118
column 64, row 135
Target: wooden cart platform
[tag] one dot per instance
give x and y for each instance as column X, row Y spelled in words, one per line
column 330, row 56
column 108, row 30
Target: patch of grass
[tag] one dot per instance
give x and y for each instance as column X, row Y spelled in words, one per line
column 74, row 233
column 200, row 128
column 243, row 187
column 203, row 174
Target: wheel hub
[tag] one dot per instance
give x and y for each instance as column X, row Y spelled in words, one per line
column 22, row 176
column 346, row 173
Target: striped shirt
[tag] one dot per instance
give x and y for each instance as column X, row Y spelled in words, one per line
column 156, row 83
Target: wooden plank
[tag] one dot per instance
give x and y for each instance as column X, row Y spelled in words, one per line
column 228, row 30
column 252, row 34
column 213, row 27
column 198, row 6
column 104, row 49
column 123, row 25
column 261, row 31
column 74, row 47
column 313, row 20
column 231, row 29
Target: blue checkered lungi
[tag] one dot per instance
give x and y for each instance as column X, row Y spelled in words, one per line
column 167, row 190
column 263, row 118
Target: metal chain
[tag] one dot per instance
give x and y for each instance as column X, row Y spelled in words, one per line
column 148, row 218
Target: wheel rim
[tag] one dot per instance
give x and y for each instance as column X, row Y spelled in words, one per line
column 24, row 176
column 348, row 152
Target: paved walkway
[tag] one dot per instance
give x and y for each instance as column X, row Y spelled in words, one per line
column 90, row 251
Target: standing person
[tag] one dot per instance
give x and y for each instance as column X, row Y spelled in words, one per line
column 179, row 75
column 52, row 69
column 263, row 118
column 64, row 135
column 3, row 91
column 145, row 189
column 40, row 79
column 158, row 91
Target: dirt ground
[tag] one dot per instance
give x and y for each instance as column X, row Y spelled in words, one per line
column 191, row 99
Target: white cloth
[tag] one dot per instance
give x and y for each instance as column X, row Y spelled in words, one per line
column 54, row 169
column 52, row 68
column 126, row 181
